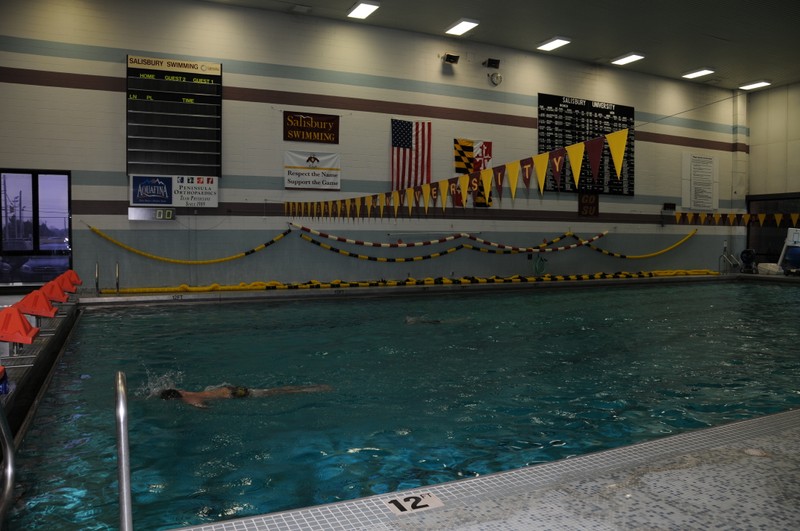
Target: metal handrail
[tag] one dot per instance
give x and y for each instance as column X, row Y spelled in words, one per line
column 123, row 465
column 7, row 442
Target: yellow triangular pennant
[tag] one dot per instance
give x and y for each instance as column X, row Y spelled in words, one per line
column 745, row 219
column 690, row 217
column 463, row 183
column 409, row 199
column 717, row 217
column 444, row 186
column 678, row 217
column 794, row 218
column 731, row 219
column 512, row 173
column 396, row 202
column 575, row 153
column 761, row 218
column 426, row 195
column 486, row 181
column 616, row 144
column 540, row 165
column 702, row 217
column 778, row 219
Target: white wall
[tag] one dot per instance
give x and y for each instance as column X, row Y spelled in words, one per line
column 83, row 130
column 775, row 140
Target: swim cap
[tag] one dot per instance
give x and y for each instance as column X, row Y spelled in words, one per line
column 167, row 394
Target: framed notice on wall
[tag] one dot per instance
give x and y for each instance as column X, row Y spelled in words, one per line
column 700, row 182
column 174, row 117
column 566, row 121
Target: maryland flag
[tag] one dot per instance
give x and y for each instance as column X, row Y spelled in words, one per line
column 470, row 157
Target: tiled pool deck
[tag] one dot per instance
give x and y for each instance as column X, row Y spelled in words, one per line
column 744, row 475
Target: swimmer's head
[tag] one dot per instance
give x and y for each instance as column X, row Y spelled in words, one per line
column 168, row 394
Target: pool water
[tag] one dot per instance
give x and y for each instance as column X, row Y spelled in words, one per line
column 469, row 384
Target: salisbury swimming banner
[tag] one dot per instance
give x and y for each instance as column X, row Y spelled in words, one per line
column 174, row 190
column 311, row 170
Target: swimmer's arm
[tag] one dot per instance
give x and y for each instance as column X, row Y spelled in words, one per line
column 193, row 400
column 290, row 389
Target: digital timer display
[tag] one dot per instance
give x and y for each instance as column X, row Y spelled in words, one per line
column 151, row 214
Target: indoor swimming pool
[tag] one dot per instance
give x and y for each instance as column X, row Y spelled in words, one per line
column 425, row 389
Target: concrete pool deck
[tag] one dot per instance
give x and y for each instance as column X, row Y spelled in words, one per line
column 743, row 475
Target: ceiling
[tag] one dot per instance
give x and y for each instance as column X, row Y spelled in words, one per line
column 741, row 40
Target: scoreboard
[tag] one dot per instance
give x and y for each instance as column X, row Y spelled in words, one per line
column 174, row 117
column 564, row 121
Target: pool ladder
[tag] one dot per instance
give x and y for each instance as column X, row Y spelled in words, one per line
column 123, row 465
column 7, row 442
column 728, row 261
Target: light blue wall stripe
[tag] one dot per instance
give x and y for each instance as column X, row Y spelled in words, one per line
column 106, row 54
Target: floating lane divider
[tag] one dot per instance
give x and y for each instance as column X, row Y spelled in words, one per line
column 443, row 281
column 373, row 244
column 189, row 262
column 639, row 256
column 380, row 258
column 500, row 248
column 543, row 248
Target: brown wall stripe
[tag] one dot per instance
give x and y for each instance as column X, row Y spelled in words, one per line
column 113, row 84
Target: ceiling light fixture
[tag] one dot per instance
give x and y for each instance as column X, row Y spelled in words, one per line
column 627, row 58
column 755, row 85
column 363, row 9
column 551, row 44
column 461, row 26
column 698, row 73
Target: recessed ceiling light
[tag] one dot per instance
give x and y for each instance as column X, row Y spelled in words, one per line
column 551, row 44
column 627, row 58
column 462, row 26
column 698, row 73
column 755, row 85
column 363, row 9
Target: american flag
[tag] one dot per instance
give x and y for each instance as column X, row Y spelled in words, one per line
column 411, row 154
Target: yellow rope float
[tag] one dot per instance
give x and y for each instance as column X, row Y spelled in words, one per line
column 638, row 256
column 187, row 262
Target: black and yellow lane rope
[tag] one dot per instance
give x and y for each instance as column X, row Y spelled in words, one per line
column 380, row 258
column 499, row 248
column 410, row 282
column 363, row 243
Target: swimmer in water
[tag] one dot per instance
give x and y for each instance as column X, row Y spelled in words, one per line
column 199, row 398
column 411, row 320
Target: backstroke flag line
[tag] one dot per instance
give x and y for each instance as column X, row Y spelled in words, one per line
column 411, row 154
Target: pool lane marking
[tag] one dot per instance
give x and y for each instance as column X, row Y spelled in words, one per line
column 413, row 503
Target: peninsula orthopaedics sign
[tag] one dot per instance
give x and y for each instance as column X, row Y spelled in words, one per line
column 309, row 127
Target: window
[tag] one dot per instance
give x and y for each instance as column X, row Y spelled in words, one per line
column 36, row 226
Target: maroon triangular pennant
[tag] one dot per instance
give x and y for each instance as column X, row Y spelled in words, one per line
column 526, row 168
column 558, row 158
column 455, row 191
column 594, row 152
column 499, row 174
